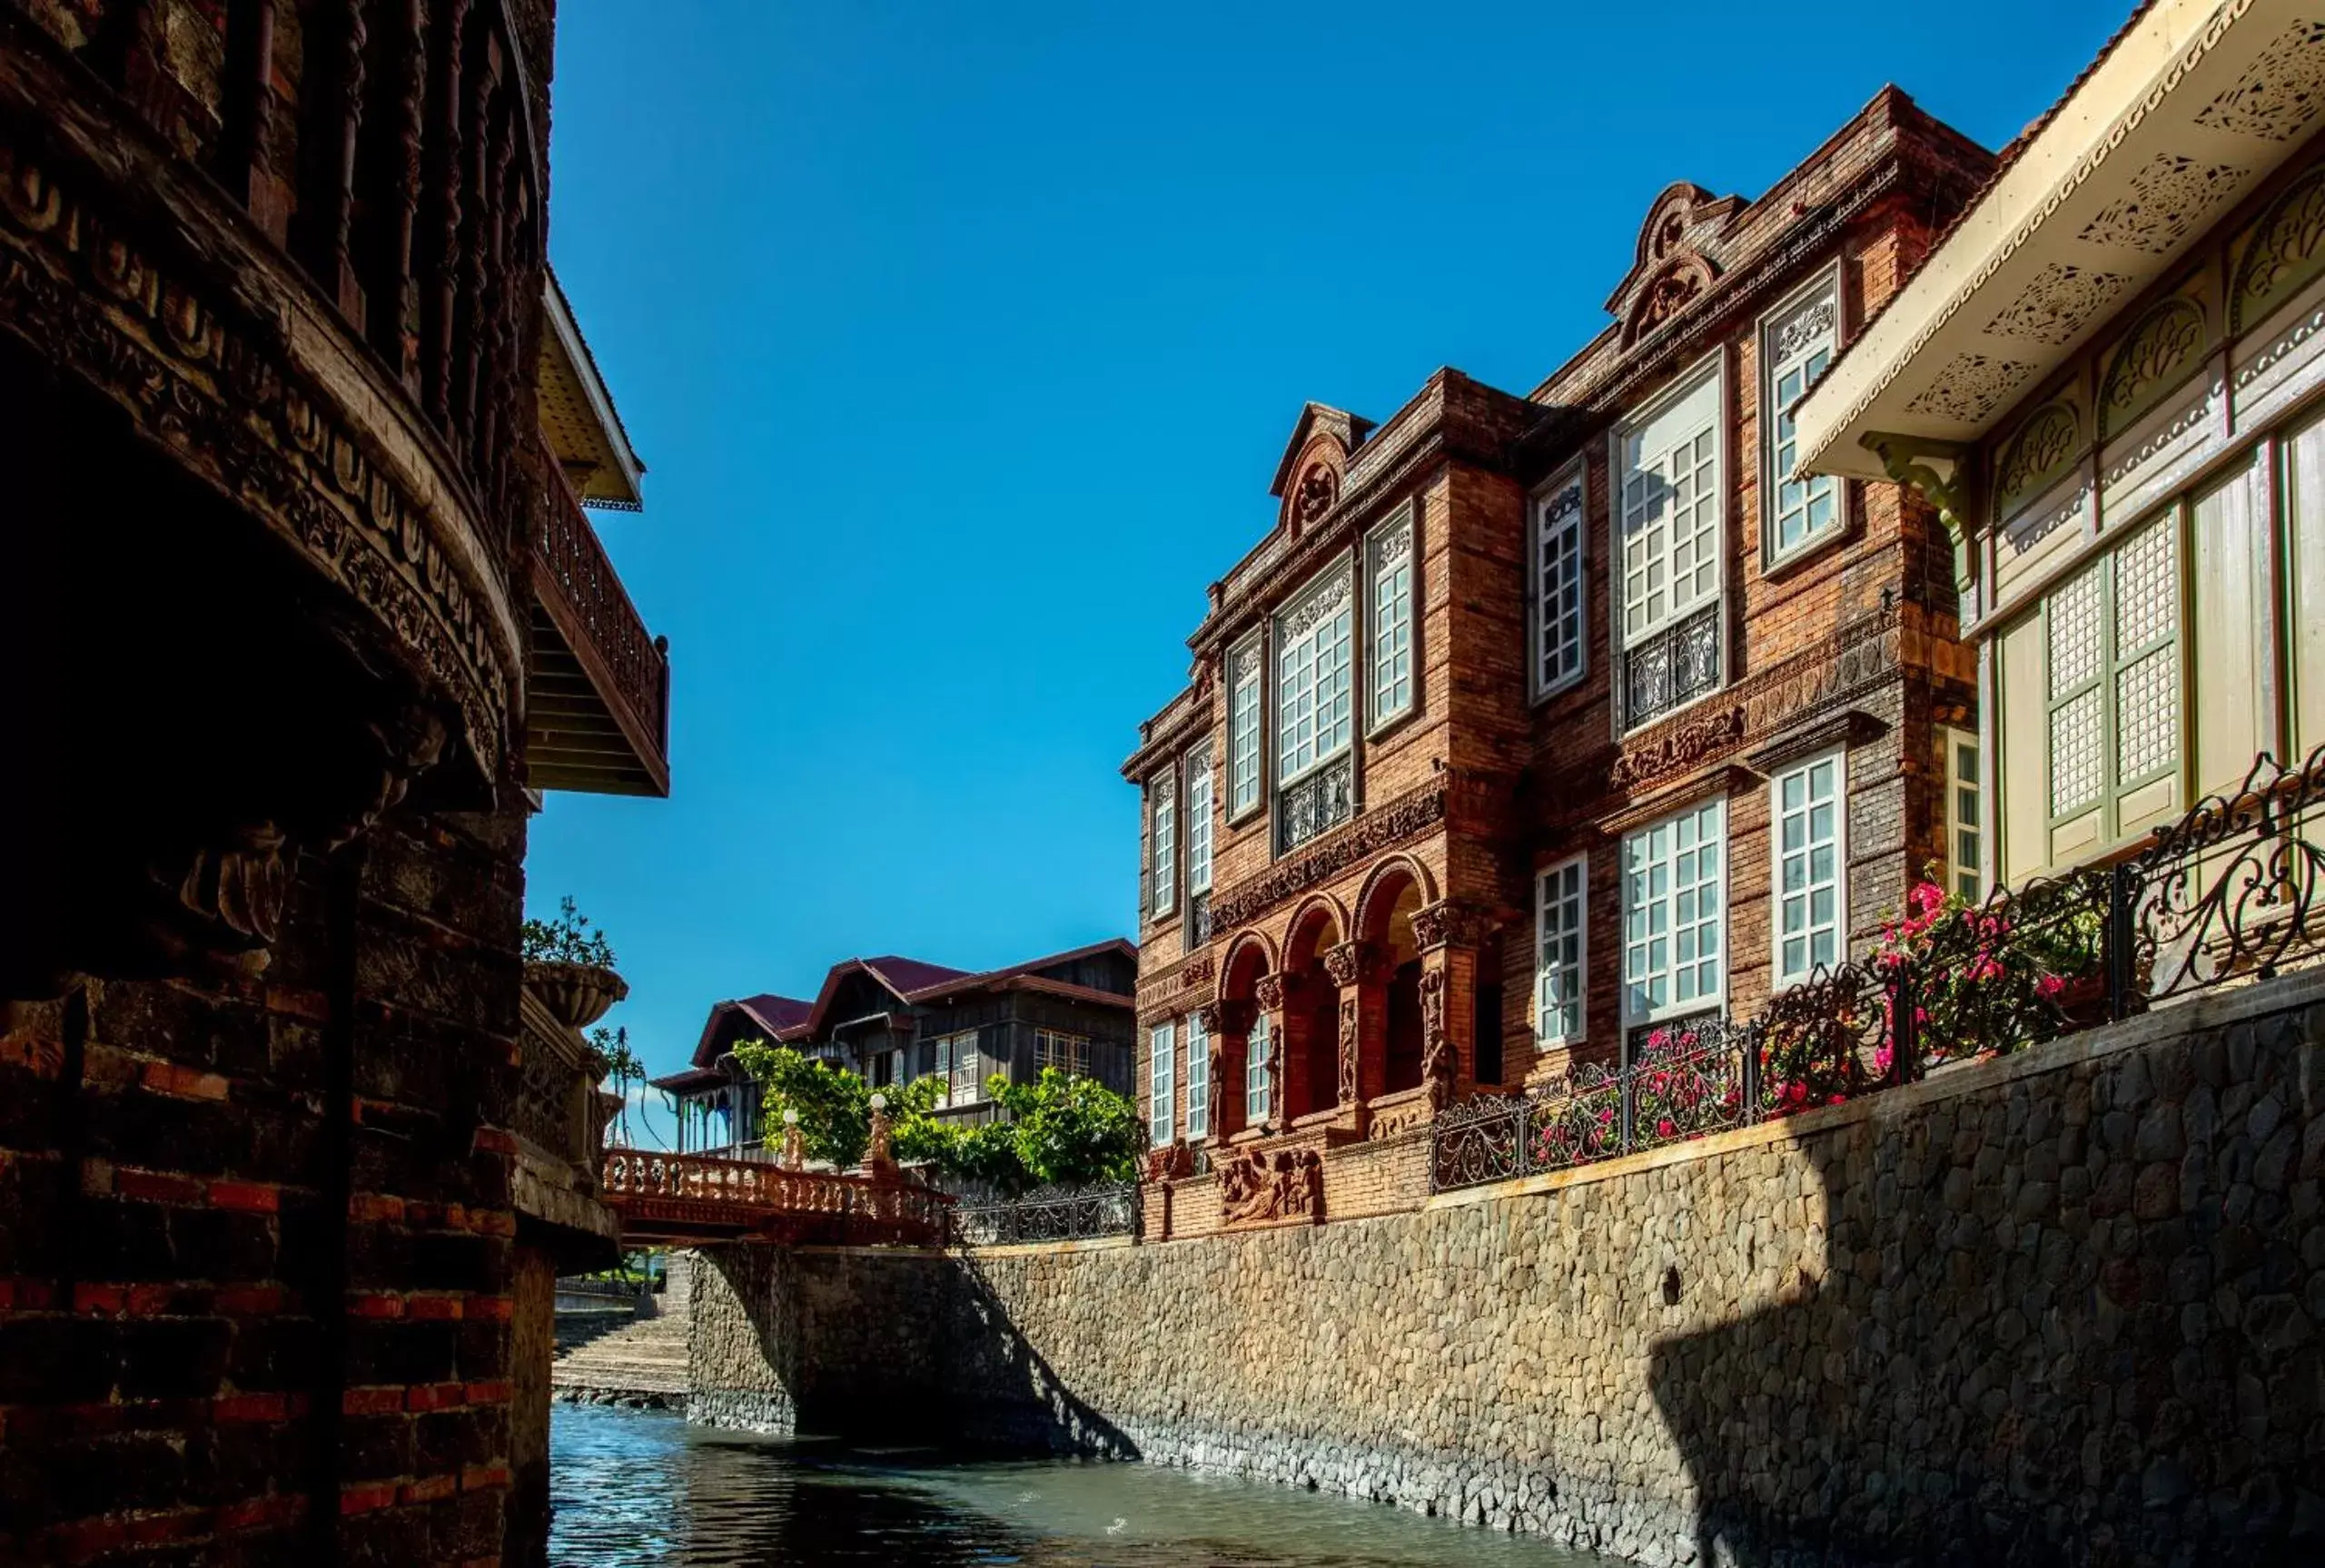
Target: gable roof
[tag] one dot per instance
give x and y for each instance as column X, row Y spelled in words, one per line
column 1030, row 970
column 771, row 1013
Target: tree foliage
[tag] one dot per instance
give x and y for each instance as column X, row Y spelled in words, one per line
column 835, row 1105
column 1059, row 1129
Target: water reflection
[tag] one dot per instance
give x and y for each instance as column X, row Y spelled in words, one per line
column 641, row 1486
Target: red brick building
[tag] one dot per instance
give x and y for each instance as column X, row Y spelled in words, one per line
column 1535, row 724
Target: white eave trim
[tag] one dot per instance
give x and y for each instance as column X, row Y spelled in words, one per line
column 2142, row 102
column 566, row 332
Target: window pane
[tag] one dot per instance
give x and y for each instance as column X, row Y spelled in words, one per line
column 1796, row 350
column 1558, row 586
column 1558, row 970
column 1255, row 1072
column 1673, row 897
column 1392, row 615
column 1312, row 679
column 1161, row 1042
column 1198, row 820
column 1198, row 1079
column 1244, row 731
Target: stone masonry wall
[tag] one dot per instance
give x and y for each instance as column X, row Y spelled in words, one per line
column 2060, row 1306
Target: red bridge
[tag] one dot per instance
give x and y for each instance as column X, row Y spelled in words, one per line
column 690, row 1199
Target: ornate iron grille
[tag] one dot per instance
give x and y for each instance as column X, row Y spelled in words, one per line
column 2228, row 894
column 1069, row 1214
column 1675, row 666
column 1316, row 805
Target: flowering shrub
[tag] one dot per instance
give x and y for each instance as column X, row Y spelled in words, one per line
column 1985, row 978
column 1681, row 1087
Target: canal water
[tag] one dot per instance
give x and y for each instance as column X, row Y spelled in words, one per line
column 635, row 1486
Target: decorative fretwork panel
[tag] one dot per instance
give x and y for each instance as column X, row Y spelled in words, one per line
column 1316, row 805
column 1675, row 667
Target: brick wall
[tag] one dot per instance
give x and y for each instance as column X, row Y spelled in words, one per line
column 255, row 1237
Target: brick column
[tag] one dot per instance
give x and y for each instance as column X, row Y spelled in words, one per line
column 1448, row 932
column 1360, row 969
column 1272, row 994
column 1229, row 1025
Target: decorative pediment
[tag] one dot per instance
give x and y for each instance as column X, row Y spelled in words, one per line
column 1675, row 261
column 1308, row 479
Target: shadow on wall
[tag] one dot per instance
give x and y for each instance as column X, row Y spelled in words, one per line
column 940, row 1362
column 2051, row 1327
column 1045, row 1416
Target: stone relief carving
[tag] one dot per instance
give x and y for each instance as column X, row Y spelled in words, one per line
column 2168, row 200
column 1971, row 388
column 1810, row 324
column 1437, row 1066
column 1413, row 812
column 1348, row 1046
column 1667, row 296
column 1171, row 1162
column 1328, row 599
column 1256, row 1187
column 1319, row 489
column 1860, row 654
column 164, row 352
column 1448, row 923
column 2279, row 93
column 1268, row 990
column 2056, row 303
column 1690, row 742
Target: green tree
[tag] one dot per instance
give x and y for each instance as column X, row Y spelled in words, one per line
column 834, row 1105
column 621, row 1069
column 1068, row 1130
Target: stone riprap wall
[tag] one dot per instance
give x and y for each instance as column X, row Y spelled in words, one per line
column 2061, row 1307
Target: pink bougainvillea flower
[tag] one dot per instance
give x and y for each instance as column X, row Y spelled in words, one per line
column 2049, row 986
column 1665, row 1128
column 1927, row 898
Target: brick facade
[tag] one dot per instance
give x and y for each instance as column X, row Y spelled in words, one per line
column 1394, row 952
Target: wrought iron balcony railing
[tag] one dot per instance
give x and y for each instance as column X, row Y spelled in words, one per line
column 1672, row 667
column 1071, row 1214
column 1315, row 804
column 598, row 703
column 2230, row 894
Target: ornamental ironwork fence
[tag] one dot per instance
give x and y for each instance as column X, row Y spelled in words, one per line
column 1053, row 1214
column 2229, row 894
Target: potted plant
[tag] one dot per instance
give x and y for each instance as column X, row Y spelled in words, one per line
column 570, row 967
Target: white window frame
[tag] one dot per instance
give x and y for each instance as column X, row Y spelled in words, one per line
column 1246, row 787
column 1563, row 889
column 1802, row 768
column 1774, row 552
column 1257, row 1048
column 1162, row 843
column 1576, row 565
column 960, row 1049
column 1964, row 877
column 1198, row 1079
column 1161, row 1114
column 1329, row 599
column 1634, row 1012
column 1068, row 1052
column 1392, row 579
column 1712, row 367
column 1199, row 819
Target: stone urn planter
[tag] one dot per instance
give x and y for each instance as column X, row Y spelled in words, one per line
column 578, row 993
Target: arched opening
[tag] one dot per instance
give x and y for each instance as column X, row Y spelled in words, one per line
column 1311, row 1015
column 1401, row 956
column 1244, row 1096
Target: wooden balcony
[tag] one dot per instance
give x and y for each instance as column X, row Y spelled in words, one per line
column 598, row 686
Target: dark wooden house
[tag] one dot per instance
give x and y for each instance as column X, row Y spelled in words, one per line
column 894, row 1019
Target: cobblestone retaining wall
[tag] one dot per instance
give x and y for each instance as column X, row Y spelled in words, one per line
column 2057, row 1308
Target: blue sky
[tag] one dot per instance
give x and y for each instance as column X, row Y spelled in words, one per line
column 961, row 343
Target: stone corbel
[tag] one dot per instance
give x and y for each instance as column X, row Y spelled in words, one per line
column 1450, row 923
